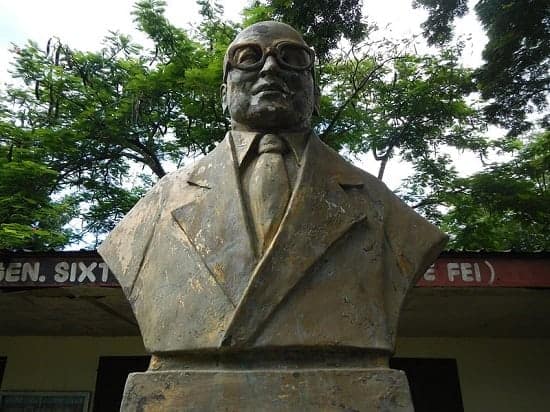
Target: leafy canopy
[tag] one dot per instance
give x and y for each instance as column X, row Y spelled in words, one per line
column 85, row 133
column 323, row 23
column 515, row 78
column 505, row 206
column 99, row 124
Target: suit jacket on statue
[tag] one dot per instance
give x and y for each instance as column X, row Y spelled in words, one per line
column 346, row 252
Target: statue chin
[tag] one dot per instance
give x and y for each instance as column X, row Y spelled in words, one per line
column 273, row 116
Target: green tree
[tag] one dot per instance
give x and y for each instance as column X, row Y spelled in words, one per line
column 29, row 218
column 396, row 104
column 103, row 126
column 97, row 118
column 515, row 78
column 506, row 205
column 323, row 23
column 438, row 27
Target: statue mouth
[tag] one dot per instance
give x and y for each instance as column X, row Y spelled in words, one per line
column 268, row 88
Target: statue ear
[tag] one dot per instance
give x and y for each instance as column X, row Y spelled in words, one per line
column 223, row 92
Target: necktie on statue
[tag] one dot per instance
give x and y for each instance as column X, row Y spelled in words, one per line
column 269, row 189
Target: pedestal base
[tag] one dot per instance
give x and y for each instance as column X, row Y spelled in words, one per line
column 365, row 390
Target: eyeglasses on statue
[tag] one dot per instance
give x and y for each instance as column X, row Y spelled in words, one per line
column 252, row 56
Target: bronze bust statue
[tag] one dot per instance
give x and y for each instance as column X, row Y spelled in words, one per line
column 272, row 241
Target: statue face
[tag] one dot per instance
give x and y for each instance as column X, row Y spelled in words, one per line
column 269, row 83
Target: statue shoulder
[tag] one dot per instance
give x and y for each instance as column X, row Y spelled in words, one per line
column 413, row 241
column 124, row 248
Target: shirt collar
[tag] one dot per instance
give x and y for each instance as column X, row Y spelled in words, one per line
column 243, row 142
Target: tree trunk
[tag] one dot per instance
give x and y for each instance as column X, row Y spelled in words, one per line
column 382, row 168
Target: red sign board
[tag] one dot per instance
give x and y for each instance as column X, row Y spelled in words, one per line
column 487, row 272
column 86, row 268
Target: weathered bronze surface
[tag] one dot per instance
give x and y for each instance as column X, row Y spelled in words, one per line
column 215, row 263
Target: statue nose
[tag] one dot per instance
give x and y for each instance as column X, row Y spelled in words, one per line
column 270, row 64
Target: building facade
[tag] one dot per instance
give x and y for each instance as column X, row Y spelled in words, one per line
column 474, row 334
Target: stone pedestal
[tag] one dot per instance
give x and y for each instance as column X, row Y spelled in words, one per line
column 303, row 390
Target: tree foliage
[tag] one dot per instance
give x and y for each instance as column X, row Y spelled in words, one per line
column 29, row 218
column 85, row 133
column 100, row 117
column 323, row 23
column 103, row 116
column 438, row 28
column 515, row 78
column 394, row 103
column 506, row 205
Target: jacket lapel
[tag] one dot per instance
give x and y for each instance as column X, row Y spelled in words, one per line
column 215, row 220
column 324, row 205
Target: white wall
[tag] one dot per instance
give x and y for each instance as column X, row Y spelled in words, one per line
column 504, row 375
column 57, row 363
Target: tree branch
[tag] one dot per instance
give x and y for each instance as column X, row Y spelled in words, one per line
column 362, row 84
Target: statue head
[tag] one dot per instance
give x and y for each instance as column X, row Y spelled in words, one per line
column 268, row 79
